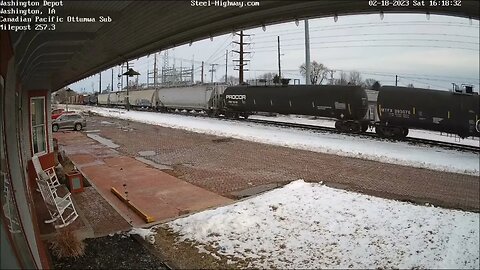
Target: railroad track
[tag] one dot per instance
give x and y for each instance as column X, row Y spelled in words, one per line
column 447, row 145
column 418, row 141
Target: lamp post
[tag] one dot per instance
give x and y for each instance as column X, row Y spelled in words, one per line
column 68, row 90
column 130, row 73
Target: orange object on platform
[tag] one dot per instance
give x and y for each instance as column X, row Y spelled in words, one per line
column 144, row 216
column 75, row 182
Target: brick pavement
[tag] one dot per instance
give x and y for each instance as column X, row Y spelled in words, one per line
column 156, row 193
column 225, row 165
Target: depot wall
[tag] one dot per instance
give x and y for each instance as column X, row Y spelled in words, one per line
column 24, row 241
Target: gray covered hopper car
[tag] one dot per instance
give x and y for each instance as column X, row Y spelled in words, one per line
column 207, row 97
column 143, row 98
column 199, row 97
column 102, row 100
column 347, row 104
column 401, row 108
column 112, row 99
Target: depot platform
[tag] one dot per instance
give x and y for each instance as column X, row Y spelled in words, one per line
column 154, row 193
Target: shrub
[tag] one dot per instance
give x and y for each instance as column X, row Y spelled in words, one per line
column 67, row 244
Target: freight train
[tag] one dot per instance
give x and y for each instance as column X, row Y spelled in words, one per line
column 81, row 99
column 398, row 109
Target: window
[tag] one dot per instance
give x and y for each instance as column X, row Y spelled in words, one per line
column 38, row 126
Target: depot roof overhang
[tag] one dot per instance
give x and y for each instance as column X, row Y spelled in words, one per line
column 52, row 59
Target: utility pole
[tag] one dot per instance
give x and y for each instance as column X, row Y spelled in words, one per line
column 226, row 66
column 202, row 74
column 193, row 68
column 100, row 83
column 155, row 72
column 165, row 67
column 121, row 77
column 241, row 52
column 307, row 54
column 396, row 80
column 212, row 70
column 128, row 98
column 279, row 66
column 111, row 89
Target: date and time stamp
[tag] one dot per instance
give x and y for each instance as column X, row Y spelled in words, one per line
column 415, row 3
column 45, row 15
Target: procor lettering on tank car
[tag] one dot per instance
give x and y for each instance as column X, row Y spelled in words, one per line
column 402, row 108
column 347, row 104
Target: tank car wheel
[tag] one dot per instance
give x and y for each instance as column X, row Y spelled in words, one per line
column 340, row 126
column 380, row 132
column 389, row 132
column 355, row 127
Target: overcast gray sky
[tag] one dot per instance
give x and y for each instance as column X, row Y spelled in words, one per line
column 430, row 52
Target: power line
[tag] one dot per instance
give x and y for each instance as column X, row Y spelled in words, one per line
column 404, row 75
column 389, row 34
column 429, row 84
column 376, row 40
column 378, row 45
column 380, row 24
column 219, row 48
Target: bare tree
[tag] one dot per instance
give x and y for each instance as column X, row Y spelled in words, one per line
column 410, row 85
column 342, row 80
column 62, row 95
column 268, row 76
column 369, row 83
column 231, row 80
column 318, row 72
column 376, row 86
column 355, row 78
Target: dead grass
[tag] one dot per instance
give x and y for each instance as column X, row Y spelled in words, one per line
column 185, row 255
column 67, row 245
column 68, row 166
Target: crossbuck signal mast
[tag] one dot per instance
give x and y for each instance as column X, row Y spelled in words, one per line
column 241, row 52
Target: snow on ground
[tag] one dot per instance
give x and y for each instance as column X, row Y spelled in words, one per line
column 312, row 226
column 340, row 144
column 147, row 234
column 413, row 133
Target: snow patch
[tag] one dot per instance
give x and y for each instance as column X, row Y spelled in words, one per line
column 146, row 234
column 304, row 225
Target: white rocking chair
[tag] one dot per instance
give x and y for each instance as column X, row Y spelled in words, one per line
column 50, row 173
column 61, row 209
